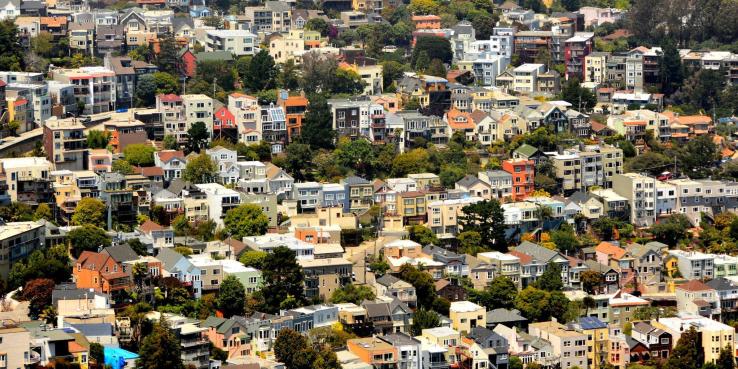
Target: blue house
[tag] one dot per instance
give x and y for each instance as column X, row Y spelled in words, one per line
column 332, row 194
column 177, row 266
column 118, row 358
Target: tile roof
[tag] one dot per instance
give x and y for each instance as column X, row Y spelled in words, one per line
column 607, row 248
column 148, row 226
column 693, row 286
column 167, row 155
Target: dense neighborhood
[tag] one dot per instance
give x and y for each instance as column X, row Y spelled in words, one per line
column 368, row 184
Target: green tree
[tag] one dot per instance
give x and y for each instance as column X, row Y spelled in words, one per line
column 121, row 166
column 139, row 154
column 170, row 142
column 97, row 139
column 282, row 277
column 581, row 98
column 246, row 220
column 160, row 349
column 318, row 24
column 288, row 77
column 261, row 72
column 550, row 280
column 87, row 238
column 97, row 353
column 198, row 136
column 200, row 169
column 51, row 263
column 168, row 60
column 470, row 242
column 43, row 44
column 165, row 83
column 591, row 281
column 539, row 305
column 687, row 353
column 413, row 161
column 253, row 258
column 486, row 218
column 391, row 71
column 726, row 360
column 43, row 211
column 439, row 47
column 298, row 160
column 500, row 293
column 145, row 93
column 231, row 297
column 90, row 211
column 671, row 70
column 424, row 319
column 317, row 127
column 422, row 62
column 565, row 239
column 423, row 283
column 436, row 68
column 352, row 293
column 288, row 346
column 422, row 235
column 11, row 52
column 671, row 230
column 515, row 363
column 137, row 246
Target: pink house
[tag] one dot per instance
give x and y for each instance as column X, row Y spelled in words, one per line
column 229, row 335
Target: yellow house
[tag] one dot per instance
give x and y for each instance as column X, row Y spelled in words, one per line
column 715, row 336
column 466, row 315
column 284, row 46
column 597, row 340
column 369, row 72
column 412, row 206
column 66, row 193
column 80, row 350
column 443, row 337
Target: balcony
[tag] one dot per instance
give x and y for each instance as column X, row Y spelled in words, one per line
column 193, row 342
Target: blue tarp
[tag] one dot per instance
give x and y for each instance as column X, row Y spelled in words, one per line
column 116, row 357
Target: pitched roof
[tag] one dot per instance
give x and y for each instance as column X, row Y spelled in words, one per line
column 526, row 150
column 168, row 258
column 167, row 155
column 214, row 56
column 470, row 180
column 607, row 248
column 524, row 258
column 121, row 253
column 504, row 315
column 92, row 260
column 540, row 253
column 721, row 284
column 694, row 286
column 148, row 226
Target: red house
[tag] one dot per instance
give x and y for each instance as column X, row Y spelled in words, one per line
column 188, row 62
column 523, row 174
column 224, row 124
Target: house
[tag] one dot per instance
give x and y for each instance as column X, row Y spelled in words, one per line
column 374, row 351
column 388, row 316
column 475, row 186
column 493, row 348
column 99, row 271
column 230, row 335
column 623, row 307
column 714, row 336
column 537, row 260
column 177, row 266
column 610, row 277
column 569, row 346
column 15, row 344
column 466, row 315
column 450, row 290
column 648, row 264
column 455, row 263
column 408, row 349
column 393, row 287
column 523, row 173
column 657, row 341
column 172, row 162
column 159, row 235
column 507, row 317
column 727, row 291
column 325, row 276
column 697, row 298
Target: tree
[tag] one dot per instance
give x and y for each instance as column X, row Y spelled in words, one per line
column 43, row 211
column 352, row 293
column 726, row 360
column 288, row 77
column 423, row 283
column 139, row 154
column 422, row 235
column 670, row 68
column 97, row 353
column 439, row 47
column 253, row 258
column 231, row 297
column 565, row 239
column 160, row 349
column 167, row 60
column 346, row 81
column 591, row 281
column 515, row 363
column 424, row 7
column 550, row 280
column 317, row 127
column 170, row 142
column 298, row 159
column 318, row 24
column 539, row 305
column 11, row 52
column 470, row 242
column 43, row 44
column 483, row 24
column 413, row 161
column 282, row 277
column 698, row 155
column 570, row 5
column 288, row 346
column 38, row 294
column 138, row 247
column 198, row 136
column 200, row 169
column 500, row 293
column 486, row 218
column 165, row 83
column 424, row 319
column 650, row 162
column 90, row 211
column 87, row 238
column 246, row 220
column 581, row 98
column 391, row 71
column 51, row 263
column 97, row 139
column 261, row 72
column 145, row 93
column 436, row 68
column 687, row 353
column 671, row 230
column 121, row 166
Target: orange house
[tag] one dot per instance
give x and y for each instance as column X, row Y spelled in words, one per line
column 427, row 21
column 100, row 272
column 294, row 109
column 373, row 351
column 523, row 174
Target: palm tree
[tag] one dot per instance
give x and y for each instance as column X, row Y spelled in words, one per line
column 588, row 302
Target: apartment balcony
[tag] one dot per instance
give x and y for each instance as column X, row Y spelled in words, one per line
column 377, row 116
column 193, row 342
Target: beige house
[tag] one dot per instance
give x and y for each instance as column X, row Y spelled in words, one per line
column 425, row 180
column 567, row 344
column 15, row 346
column 211, row 272
column 391, row 286
column 284, row 46
column 506, row 265
column 466, row 315
column 715, row 335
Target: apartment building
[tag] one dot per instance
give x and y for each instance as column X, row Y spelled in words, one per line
column 714, row 336
column 220, row 200
column 325, row 276
column 15, row 346
column 576, row 50
column 697, row 298
column 586, row 166
column 198, row 108
column 694, row 264
column 237, row 42
column 27, row 179
column 374, row 352
column 443, row 215
column 568, row 345
column 525, row 77
column 640, row 190
column 18, row 240
column 65, row 143
column 95, row 87
column 172, row 116
column 466, row 315
column 595, row 67
column 506, row 265
column 211, row 272
column 273, row 16
column 523, row 175
column 38, row 97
